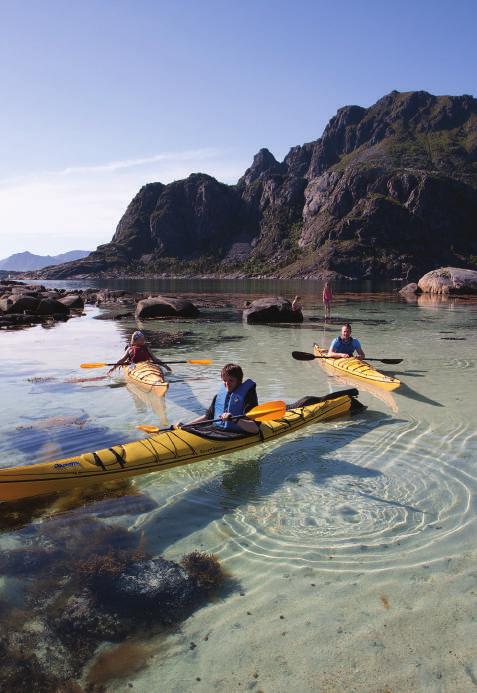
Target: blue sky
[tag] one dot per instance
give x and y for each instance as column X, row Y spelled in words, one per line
column 98, row 98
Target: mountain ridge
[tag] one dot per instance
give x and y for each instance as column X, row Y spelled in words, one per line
column 380, row 185
column 26, row 261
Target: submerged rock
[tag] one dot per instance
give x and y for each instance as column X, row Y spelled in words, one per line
column 150, row 588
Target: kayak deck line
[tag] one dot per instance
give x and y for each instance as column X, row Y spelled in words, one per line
column 148, row 376
column 157, row 452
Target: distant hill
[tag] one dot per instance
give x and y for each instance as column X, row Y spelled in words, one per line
column 388, row 191
column 24, row 262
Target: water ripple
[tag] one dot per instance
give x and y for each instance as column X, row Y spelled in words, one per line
column 380, row 504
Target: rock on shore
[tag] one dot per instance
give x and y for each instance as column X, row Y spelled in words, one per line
column 449, row 280
column 22, row 305
column 271, row 309
column 445, row 281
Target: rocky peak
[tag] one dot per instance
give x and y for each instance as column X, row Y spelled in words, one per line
column 263, row 163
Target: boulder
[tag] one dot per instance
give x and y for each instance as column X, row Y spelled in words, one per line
column 22, row 303
column 49, row 306
column 271, row 309
column 411, row 289
column 72, row 301
column 161, row 307
column 6, row 302
column 449, row 280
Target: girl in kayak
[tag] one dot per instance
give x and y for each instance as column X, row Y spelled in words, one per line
column 235, row 398
column 327, row 298
column 137, row 352
column 343, row 347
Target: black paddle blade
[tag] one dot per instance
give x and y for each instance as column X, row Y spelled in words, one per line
column 302, row 356
column 391, row 360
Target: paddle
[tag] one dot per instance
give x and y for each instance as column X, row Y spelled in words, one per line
column 263, row 412
column 204, row 362
column 305, row 356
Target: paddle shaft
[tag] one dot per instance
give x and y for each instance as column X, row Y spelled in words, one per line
column 165, row 363
column 305, row 356
column 262, row 412
column 365, row 359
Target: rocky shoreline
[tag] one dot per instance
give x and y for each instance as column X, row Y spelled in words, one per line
column 25, row 305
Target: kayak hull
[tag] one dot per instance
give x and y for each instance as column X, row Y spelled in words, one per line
column 353, row 367
column 147, row 376
column 159, row 452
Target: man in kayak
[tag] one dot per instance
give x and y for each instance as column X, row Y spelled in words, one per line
column 234, row 399
column 138, row 352
column 344, row 346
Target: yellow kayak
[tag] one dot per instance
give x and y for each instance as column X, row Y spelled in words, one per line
column 357, row 369
column 161, row 451
column 148, row 376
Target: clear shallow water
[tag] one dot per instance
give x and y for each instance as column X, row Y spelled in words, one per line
column 352, row 543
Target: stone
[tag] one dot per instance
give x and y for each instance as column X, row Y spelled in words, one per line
column 271, row 309
column 23, row 303
column 160, row 307
column 49, row 306
column 73, row 301
column 411, row 289
column 449, row 280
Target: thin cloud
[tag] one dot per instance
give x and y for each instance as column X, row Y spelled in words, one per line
column 80, row 206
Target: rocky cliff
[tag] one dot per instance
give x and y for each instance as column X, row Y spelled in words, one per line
column 387, row 191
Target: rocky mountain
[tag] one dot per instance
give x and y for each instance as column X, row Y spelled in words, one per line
column 387, row 191
column 25, row 262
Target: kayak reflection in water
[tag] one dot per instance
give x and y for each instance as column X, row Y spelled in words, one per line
column 344, row 346
column 138, row 352
column 235, row 398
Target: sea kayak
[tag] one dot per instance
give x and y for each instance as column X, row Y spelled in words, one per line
column 357, row 369
column 162, row 451
column 146, row 375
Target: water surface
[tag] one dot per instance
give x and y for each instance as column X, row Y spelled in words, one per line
column 352, row 543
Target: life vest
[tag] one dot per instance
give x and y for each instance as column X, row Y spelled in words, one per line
column 347, row 347
column 233, row 403
column 137, row 354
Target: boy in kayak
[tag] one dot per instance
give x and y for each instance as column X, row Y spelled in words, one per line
column 235, row 398
column 344, row 346
column 138, row 352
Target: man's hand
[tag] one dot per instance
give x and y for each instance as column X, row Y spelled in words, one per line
column 226, row 416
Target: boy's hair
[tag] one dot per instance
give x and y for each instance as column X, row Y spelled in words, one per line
column 232, row 370
column 346, row 324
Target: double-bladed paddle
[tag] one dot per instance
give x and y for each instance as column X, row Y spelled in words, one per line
column 305, row 356
column 204, row 362
column 263, row 412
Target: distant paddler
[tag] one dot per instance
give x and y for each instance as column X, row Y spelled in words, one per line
column 138, row 352
column 345, row 346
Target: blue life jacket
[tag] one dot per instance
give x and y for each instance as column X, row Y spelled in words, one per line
column 232, row 402
column 341, row 347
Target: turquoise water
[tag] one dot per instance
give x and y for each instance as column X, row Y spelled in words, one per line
column 352, row 543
